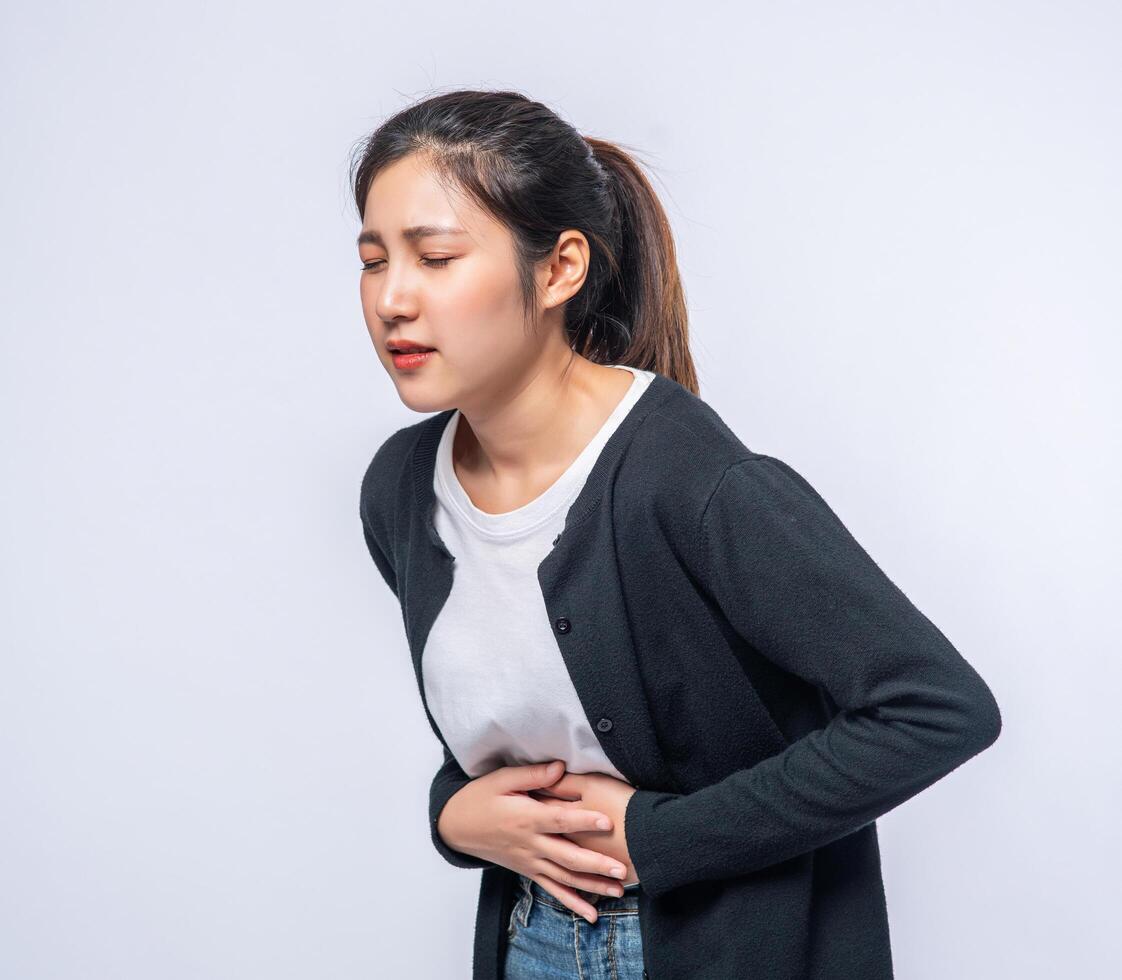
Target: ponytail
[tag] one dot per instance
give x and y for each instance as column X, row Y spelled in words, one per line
column 645, row 293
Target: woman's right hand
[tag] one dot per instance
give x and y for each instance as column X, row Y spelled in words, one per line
column 493, row 818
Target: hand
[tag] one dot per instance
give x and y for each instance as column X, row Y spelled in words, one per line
column 554, row 843
column 600, row 792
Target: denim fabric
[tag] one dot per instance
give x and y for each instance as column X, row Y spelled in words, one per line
column 547, row 940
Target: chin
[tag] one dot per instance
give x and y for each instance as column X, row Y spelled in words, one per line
column 422, row 397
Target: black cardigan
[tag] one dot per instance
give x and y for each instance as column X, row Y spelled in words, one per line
column 744, row 662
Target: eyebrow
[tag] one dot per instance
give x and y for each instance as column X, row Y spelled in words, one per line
column 370, row 237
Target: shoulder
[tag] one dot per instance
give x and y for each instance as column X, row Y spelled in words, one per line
column 388, row 475
column 677, row 459
column 390, row 457
column 686, row 469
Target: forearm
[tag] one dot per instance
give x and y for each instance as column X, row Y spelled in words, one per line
column 449, row 779
column 826, row 785
column 797, row 587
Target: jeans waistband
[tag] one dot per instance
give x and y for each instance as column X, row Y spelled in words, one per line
column 627, row 901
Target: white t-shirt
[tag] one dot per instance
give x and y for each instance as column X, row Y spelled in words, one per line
column 495, row 681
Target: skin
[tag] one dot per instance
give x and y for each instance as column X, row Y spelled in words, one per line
column 529, row 405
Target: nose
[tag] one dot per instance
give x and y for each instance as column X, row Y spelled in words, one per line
column 394, row 299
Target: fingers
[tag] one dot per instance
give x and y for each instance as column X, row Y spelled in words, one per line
column 531, row 777
column 566, row 817
column 570, row 784
column 549, row 794
column 582, row 867
column 552, row 880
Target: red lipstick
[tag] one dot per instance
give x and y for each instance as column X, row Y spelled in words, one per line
column 407, row 354
column 411, row 360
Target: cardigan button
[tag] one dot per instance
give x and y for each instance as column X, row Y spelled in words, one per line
column 563, row 625
column 604, row 724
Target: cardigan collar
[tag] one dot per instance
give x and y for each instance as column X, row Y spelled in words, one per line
column 424, row 458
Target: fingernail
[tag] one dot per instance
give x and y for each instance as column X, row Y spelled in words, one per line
column 603, row 823
column 619, row 872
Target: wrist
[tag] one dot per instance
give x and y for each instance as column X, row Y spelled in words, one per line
column 448, row 824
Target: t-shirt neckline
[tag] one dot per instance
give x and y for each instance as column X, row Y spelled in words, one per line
column 531, row 515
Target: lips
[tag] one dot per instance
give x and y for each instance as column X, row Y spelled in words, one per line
column 408, row 359
column 404, row 345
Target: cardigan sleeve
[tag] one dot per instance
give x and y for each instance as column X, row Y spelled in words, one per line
column 792, row 581
column 450, row 778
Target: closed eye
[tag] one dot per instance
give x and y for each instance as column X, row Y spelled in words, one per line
column 431, row 263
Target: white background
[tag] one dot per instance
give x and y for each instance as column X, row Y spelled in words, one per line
column 899, row 230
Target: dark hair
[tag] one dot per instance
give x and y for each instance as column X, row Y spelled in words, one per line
column 531, row 170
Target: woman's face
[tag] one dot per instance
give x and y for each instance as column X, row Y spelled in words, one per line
column 453, row 290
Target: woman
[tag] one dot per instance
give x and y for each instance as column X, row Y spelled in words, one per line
column 673, row 692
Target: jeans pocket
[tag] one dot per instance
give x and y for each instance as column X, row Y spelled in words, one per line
column 517, row 915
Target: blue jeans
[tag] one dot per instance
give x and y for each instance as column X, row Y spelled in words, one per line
column 547, row 940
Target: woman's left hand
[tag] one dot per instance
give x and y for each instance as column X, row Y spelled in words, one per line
column 603, row 793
